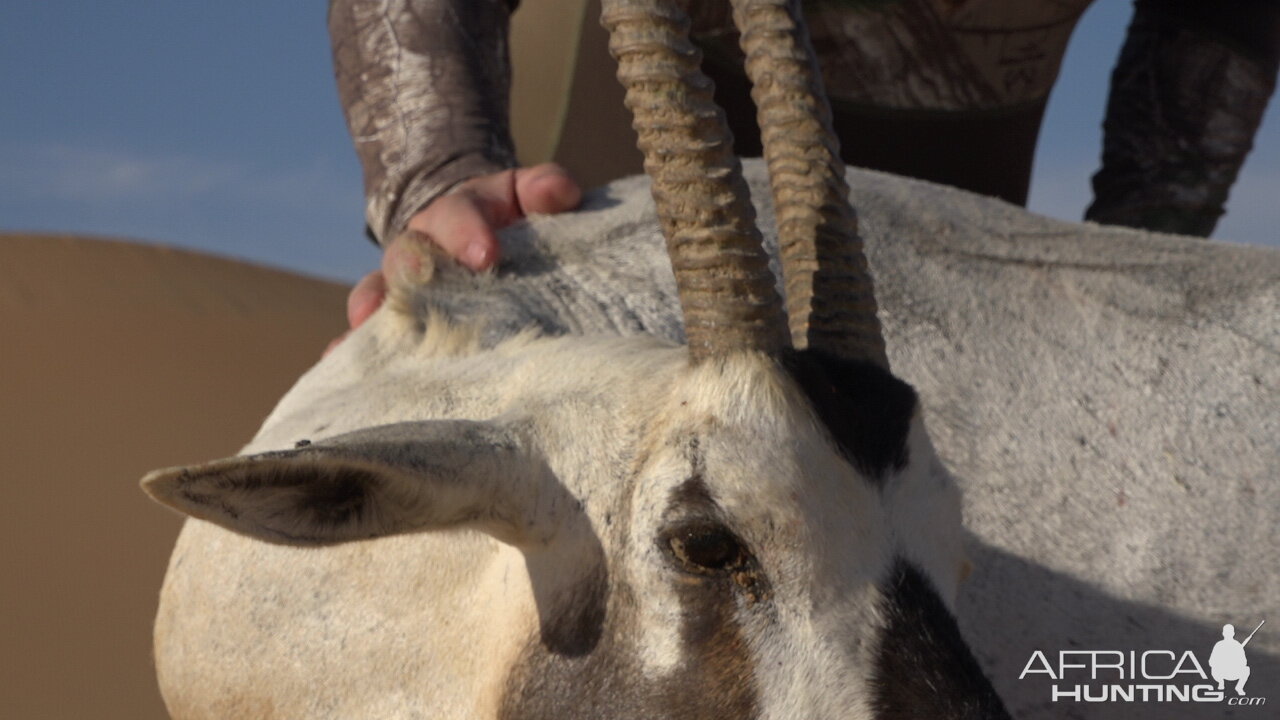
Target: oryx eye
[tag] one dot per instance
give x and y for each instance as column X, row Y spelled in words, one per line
column 706, row 547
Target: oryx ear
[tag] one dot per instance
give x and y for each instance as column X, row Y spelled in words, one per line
column 381, row 481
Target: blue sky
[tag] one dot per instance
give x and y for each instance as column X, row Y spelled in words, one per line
column 216, row 126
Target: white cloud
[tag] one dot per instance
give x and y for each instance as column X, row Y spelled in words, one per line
column 95, row 176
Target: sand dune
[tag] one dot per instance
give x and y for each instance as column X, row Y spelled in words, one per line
column 117, row 358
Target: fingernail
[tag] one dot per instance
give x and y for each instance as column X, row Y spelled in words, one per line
column 477, row 256
column 566, row 190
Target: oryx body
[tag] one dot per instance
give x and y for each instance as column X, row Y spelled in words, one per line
column 1082, row 544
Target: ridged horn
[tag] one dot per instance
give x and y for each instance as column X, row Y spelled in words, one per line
column 722, row 271
column 831, row 303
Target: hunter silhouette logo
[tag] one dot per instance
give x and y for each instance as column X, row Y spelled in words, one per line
column 1227, row 661
column 1096, row 676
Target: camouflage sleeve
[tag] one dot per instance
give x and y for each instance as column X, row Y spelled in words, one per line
column 1187, row 96
column 424, row 85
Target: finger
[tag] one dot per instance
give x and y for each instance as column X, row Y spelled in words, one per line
column 546, row 188
column 365, row 298
column 459, row 224
column 495, row 196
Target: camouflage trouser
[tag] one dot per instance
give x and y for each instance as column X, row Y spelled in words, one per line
column 954, row 91
column 1187, row 96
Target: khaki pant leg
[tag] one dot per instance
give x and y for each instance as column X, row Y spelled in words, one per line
column 567, row 104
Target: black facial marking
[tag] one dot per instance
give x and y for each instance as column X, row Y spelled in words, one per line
column 865, row 408
column 923, row 667
column 692, row 495
column 715, row 681
column 716, row 652
column 721, row 577
column 715, row 678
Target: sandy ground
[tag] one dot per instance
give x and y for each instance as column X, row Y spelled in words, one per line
column 115, row 359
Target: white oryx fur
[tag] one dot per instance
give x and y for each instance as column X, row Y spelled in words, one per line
column 1022, row 336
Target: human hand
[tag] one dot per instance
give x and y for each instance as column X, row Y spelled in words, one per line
column 464, row 223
